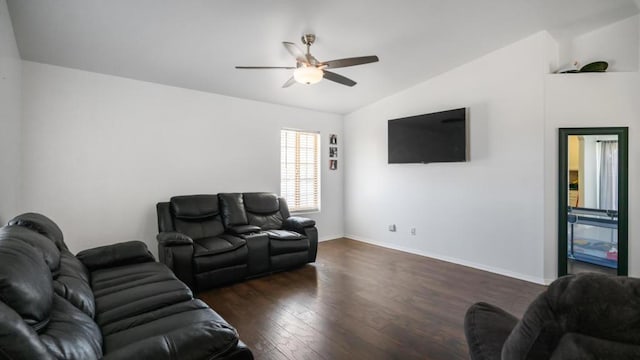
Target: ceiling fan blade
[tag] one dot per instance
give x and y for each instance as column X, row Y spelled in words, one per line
column 332, row 64
column 296, row 52
column 338, row 78
column 265, row 67
column 289, row 82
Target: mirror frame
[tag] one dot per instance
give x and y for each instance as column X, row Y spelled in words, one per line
column 623, row 192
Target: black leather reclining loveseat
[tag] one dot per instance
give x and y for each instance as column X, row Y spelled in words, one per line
column 211, row 240
column 111, row 302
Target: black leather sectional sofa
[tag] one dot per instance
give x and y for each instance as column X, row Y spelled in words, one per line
column 211, row 240
column 111, row 302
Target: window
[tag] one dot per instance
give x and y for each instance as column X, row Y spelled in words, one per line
column 300, row 169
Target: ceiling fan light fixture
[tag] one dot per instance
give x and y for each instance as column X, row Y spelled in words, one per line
column 308, row 75
column 309, row 70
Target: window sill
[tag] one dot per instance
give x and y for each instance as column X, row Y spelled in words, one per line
column 303, row 212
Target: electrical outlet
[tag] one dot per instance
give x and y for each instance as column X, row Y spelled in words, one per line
column 413, row 231
column 392, row 227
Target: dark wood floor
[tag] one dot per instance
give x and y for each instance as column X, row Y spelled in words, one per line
column 360, row 301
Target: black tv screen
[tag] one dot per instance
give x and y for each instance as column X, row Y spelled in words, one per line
column 435, row 137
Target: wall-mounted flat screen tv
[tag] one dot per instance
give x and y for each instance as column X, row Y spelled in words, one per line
column 428, row 138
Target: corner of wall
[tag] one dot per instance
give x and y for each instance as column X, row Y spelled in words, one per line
column 638, row 25
column 10, row 117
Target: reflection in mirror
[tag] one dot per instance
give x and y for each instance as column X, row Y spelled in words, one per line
column 593, row 210
column 592, row 204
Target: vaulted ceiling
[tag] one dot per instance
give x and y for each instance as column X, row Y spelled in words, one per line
column 195, row 44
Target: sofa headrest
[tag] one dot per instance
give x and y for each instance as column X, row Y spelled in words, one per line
column 26, row 284
column 43, row 225
column 597, row 305
column 194, row 207
column 50, row 252
column 233, row 213
column 261, row 203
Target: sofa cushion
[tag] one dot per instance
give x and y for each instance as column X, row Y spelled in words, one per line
column 194, row 207
column 26, row 284
column 263, row 210
column 238, row 256
column 73, row 283
column 201, row 228
column 105, row 281
column 206, row 340
column 266, row 222
column 137, row 320
column 71, row 334
column 49, row 251
column 200, row 323
column 42, row 225
column 217, row 245
column 232, row 207
column 131, row 290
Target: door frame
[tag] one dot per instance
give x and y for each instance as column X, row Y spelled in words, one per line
column 623, row 192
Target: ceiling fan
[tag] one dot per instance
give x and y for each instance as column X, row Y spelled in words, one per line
column 309, row 70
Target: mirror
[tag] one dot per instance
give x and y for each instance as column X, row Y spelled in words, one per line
column 592, row 206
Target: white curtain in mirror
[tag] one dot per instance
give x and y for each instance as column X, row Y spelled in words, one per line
column 607, row 169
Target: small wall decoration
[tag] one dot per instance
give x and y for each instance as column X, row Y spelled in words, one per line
column 333, row 151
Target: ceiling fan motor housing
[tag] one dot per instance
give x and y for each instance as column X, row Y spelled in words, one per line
column 308, row 39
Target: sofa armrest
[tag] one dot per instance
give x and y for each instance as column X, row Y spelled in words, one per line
column 202, row 340
column 486, row 328
column 125, row 253
column 244, row 229
column 297, row 224
column 241, row 352
column 176, row 251
column 173, row 239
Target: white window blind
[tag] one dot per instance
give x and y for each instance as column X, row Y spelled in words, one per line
column 300, row 169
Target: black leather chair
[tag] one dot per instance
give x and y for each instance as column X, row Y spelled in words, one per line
column 585, row 316
column 110, row 302
column 254, row 229
column 193, row 242
column 293, row 241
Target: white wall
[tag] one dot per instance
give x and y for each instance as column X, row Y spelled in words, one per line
column 99, row 151
column 10, row 97
column 591, row 100
column 617, row 43
column 488, row 212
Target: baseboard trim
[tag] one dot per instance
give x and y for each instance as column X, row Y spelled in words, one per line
column 499, row 271
column 330, row 237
